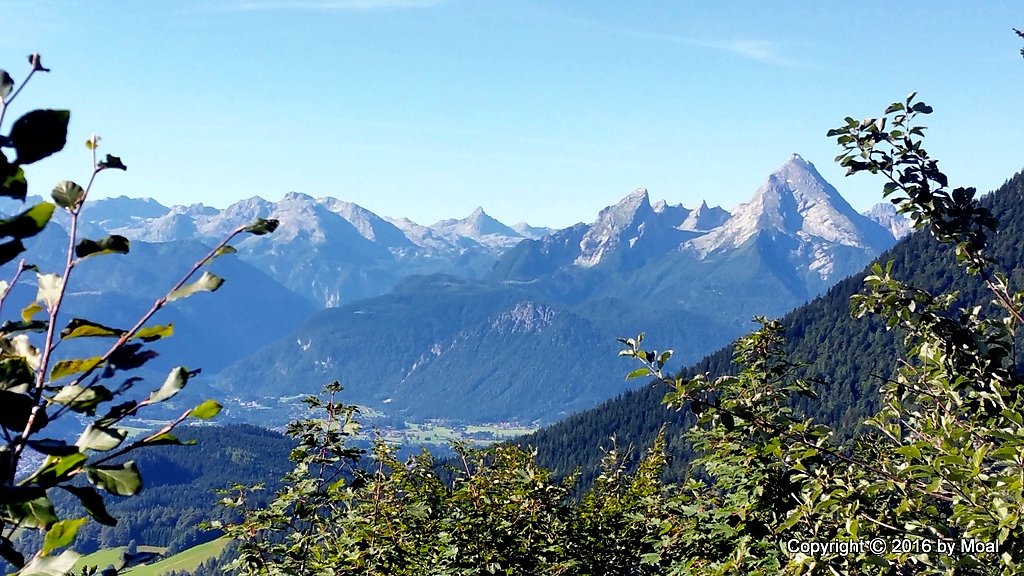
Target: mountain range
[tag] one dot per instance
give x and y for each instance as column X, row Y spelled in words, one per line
column 533, row 339
column 847, row 359
column 471, row 319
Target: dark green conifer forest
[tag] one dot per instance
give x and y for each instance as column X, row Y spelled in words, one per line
column 845, row 357
column 878, row 430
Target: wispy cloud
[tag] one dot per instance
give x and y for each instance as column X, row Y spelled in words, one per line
column 759, row 50
column 764, row 51
column 328, row 5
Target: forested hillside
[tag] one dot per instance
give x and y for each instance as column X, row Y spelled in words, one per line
column 181, row 487
column 847, row 358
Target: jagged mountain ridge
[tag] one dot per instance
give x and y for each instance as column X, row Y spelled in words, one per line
column 847, row 358
column 796, row 200
column 797, row 216
column 543, row 323
column 331, row 251
column 327, row 250
column 797, row 228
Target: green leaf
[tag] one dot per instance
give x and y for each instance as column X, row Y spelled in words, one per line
column 68, row 195
column 112, row 162
column 650, row 558
column 92, row 502
column 166, row 439
column 35, row 513
column 6, row 84
column 31, row 310
column 18, row 494
column 9, row 250
column 120, row 480
column 911, row 452
column 638, row 373
column 130, row 357
column 117, row 413
column 28, row 223
column 9, row 553
column 61, row 534
column 51, row 565
column 15, row 372
column 114, row 244
column 206, row 410
column 206, row 283
column 223, row 250
column 12, row 180
column 39, row 134
column 9, row 327
column 52, row 447
column 56, row 469
column 261, row 226
column 81, row 398
column 65, row 368
column 153, row 333
column 100, row 439
column 82, row 328
column 174, row 382
column 17, row 409
column 894, row 107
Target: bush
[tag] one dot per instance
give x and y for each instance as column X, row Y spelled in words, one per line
column 39, row 388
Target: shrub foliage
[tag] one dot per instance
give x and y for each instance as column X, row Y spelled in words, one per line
column 43, row 387
column 934, row 483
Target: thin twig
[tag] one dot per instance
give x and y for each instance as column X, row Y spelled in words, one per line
column 5, row 103
column 14, row 280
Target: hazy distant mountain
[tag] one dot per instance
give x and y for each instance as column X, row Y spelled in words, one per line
column 531, row 232
column 797, row 227
column 210, row 330
column 705, row 218
column 672, row 212
column 484, row 322
column 123, row 211
column 627, row 233
column 631, row 225
column 884, row 213
column 802, row 222
column 542, row 324
column 442, row 347
column 845, row 356
column 327, row 250
column 370, row 226
column 480, row 227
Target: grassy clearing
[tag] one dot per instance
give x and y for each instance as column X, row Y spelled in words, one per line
column 501, row 431
column 184, row 561
column 428, row 434
column 442, row 434
column 111, row 556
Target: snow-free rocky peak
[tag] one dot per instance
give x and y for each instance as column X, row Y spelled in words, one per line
column 675, row 214
column 532, row 232
column 886, row 215
column 705, row 218
column 796, row 201
column 624, row 222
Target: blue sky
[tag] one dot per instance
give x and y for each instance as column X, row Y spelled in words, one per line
column 544, row 112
